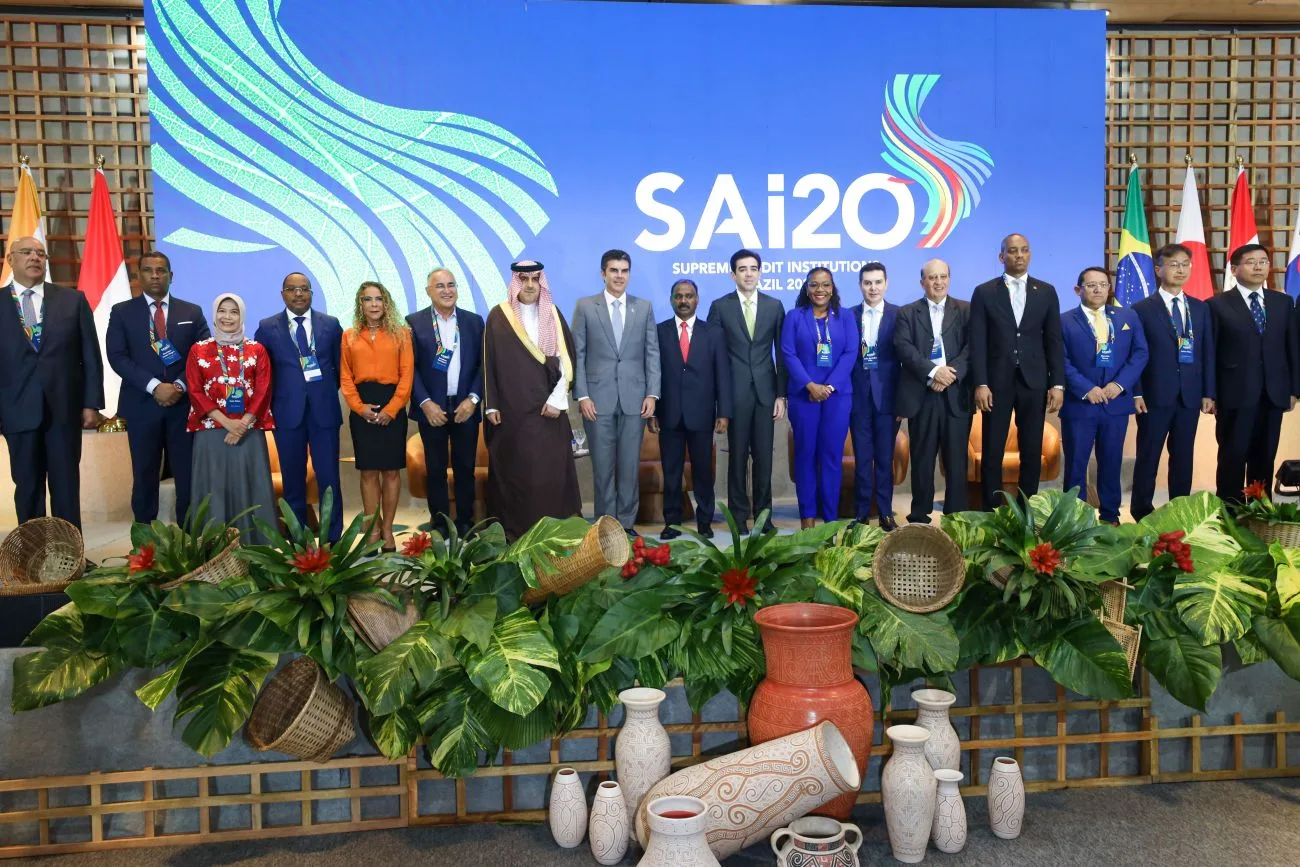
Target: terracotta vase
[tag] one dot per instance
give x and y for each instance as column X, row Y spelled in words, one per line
column 907, row 788
column 1006, row 798
column 815, row 841
column 943, row 749
column 607, row 827
column 567, row 812
column 642, row 752
column 753, row 792
column 677, row 828
column 948, row 833
column 810, row 679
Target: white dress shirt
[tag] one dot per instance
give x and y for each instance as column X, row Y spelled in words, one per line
column 166, row 302
column 1018, row 287
column 38, row 298
column 449, row 334
column 293, row 325
column 872, row 314
column 1168, row 300
column 1246, row 293
column 690, row 327
column 936, row 327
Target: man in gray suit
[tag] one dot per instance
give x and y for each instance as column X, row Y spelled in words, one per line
column 616, row 379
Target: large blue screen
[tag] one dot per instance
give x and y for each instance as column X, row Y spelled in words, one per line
column 379, row 140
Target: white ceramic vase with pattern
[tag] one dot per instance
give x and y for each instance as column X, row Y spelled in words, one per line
column 949, row 830
column 907, row 788
column 676, row 825
column 642, row 752
column 943, row 749
column 1006, row 798
column 607, row 827
column 567, row 812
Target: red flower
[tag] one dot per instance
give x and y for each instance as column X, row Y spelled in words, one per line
column 312, row 561
column 1044, row 558
column 417, row 545
column 142, row 560
column 1171, row 543
column 630, row 568
column 737, row 586
column 1254, row 491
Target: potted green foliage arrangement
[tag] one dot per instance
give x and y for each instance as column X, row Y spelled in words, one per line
column 1271, row 522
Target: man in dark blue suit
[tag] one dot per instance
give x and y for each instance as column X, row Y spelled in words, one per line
column 695, row 402
column 1105, row 352
column 148, row 340
column 304, row 349
column 875, row 379
column 445, row 396
column 1178, row 382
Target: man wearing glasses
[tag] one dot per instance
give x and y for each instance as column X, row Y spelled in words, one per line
column 1178, row 383
column 51, row 387
column 304, row 349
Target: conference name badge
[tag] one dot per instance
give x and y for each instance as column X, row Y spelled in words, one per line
column 167, row 352
column 823, row 355
column 936, row 351
column 1106, row 355
column 36, row 336
column 310, row 367
column 442, row 360
column 870, row 357
column 235, row 402
column 1186, row 350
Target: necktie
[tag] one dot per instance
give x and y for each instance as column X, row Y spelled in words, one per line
column 29, row 309
column 159, row 321
column 1018, row 297
column 749, row 317
column 685, row 343
column 873, row 329
column 1100, row 328
column 1180, row 326
column 936, row 324
column 1257, row 312
column 616, row 319
column 300, row 336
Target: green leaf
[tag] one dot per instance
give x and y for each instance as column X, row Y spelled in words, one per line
column 508, row 670
column 456, row 734
column 925, row 642
column 986, row 628
column 1200, row 517
column 1217, row 606
column 1281, row 637
column 217, row 690
column 56, row 674
column 1114, row 555
column 207, row 602
column 396, row 733
column 1288, row 576
column 156, row 690
column 634, row 627
column 1082, row 656
column 842, row 572
column 473, row 620
column 1188, row 670
column 1250, row 650
column 99, row 595
column 149, row 635
column 391, row 678
column 548, row 538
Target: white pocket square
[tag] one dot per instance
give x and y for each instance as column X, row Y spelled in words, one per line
column 191, row 322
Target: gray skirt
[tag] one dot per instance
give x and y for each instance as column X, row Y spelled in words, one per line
column 234, row 478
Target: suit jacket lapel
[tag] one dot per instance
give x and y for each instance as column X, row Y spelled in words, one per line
column 602, row 314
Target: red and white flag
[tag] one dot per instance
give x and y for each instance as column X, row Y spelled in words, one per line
column 1191, row 234
column 103, row 277
column 1242, row 229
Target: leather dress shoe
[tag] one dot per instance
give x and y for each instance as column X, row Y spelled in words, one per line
column 706, row 530
column 669, row 533
column 887, row 523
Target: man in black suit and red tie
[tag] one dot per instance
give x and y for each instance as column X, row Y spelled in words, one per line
column 1017, row 364
column 51, row 385
column 1256, row 371
column 695, row 402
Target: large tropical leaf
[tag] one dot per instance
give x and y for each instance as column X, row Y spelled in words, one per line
column 1217, row 606
column 472, row 620
column 217, row 690
column 550, row 537
column 456, row 734
column 408, row 665
column 395, row 733
column 65, row 668
column 156, row 690
column 99, row 594
column 1187, row 669
column 841, row 574
column 1288, row 577
column 1082, row 656
column 986, row 628
column 207, row 602
column 508, row 670
column 149, row 634
column 1281, row 637
column 634, row 627
column 1200, row 517
column 925, row 642
column 1115, row 552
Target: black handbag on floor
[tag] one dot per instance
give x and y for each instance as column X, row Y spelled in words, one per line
column 1288, row 478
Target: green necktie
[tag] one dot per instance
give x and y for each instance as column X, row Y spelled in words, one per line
column 749, row 317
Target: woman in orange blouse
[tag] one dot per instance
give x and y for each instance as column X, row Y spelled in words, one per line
column 376, row 369
column 228, row 379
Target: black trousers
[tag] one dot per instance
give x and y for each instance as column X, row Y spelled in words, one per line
column 1248, row 439
column 463, row 440
column 673, row 446
column 1030, row 407
column 1176, row 425
column 148, row 438
column 749, row 437
column 51, row 453
column 936, row 431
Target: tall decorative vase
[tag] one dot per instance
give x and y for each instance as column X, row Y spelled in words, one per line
column 949, row 829
column 753, row 792
column 607, row 827
column 942, row 750
column 810, row 679
column 1006, row 798
column 567, row 813
column 677, row 826
column 908, row 788
column 642, row 752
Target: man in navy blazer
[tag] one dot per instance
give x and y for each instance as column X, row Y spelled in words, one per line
column 304, row 348
column 1178, row 382
column 148, row 340
column 1105, row 352
column 695, row 402
column 872, row 422
column 445, row 396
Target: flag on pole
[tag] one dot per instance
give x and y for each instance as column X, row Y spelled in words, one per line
column 1242, row 229
column 27, row 221
column 1135, row 277
column 103, row 277
column 1293, row 261
column 1191, row 234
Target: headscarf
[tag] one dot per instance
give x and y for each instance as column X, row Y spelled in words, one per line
column 228, row 338
column 547, row 342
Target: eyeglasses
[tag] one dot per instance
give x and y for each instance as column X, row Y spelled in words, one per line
column 32, row 251
column 1181, row 266
column 297, row 290
column 1103, row 285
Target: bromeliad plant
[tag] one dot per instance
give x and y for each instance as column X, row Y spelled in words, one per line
column 1259, row 507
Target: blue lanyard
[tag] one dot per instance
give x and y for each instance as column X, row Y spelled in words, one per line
column 221, row 359
column 437, row 333
column 29, row 330
column 817, row 324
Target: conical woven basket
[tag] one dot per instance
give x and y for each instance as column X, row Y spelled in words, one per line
column 918, row 568
column 604, row 545
column 378, row 623
column 43, row 555
column 300, row 713
column 219, row 568
column 1129, row 638
column 1286, row 534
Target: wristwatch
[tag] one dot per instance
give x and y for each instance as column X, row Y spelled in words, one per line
column 474, row 398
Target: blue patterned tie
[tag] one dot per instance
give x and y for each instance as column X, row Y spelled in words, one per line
column 300, row 335
column 1179, row 325
column 1257, row 312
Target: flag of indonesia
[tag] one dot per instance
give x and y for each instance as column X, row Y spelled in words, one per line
column 103, row 277
column 1191, row 234
column 1242, row 229
column 1293, row 261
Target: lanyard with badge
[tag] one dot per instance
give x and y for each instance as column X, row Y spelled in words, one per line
column 1106, row 350
column 823, row 341
column 234, row 384
column 870, row 351
column 1186, row 342
column 443, row 354
column 936, row 349
column 162, row 345
column 310, row 365
column 33, row 332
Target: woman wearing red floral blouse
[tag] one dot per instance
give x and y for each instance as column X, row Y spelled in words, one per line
column 228, row 378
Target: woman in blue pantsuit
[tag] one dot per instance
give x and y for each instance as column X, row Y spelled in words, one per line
column 819, row 344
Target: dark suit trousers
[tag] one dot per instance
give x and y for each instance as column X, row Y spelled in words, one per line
column 50, row 453
column 1177, row 425
column 292, row 444
column 749, row 437
column 874, row 433
column 1030, row 408
column 463, row 440
column 936, row 431
column 674, row 443
column 148, row 439
column 1248, row 439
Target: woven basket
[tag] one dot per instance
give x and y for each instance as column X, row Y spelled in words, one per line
column 1286, row 534
column 918, row 568
column 219, row 568
column 1114, row 600
column 378, row 623
column 300, row 713
column 1129, row 638
column 604, row 545
column 44, row 555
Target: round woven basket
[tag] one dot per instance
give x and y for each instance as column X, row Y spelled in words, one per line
column 918, row 568
column 300, row 713
column 1286, row 534
column 44, row 555
column 219, row 568
column 604, row 545
column 378, row 623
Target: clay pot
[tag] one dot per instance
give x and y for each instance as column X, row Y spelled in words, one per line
column 567, row 812
column 907, row 788
column 643, row 753
column 810, row 679
column 943, row 749
column 948, row 833
column 1006, row 798
column 816, row 841
column 608, row 824
column 676, row 828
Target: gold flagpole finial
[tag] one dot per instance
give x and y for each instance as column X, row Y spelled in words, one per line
column 99, row 162
column 1240, row 162
column 1133, row 159
column 23, row 160
column 1187, row 158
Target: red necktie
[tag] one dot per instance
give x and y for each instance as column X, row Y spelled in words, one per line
column 685, row 343
column 159, row 321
